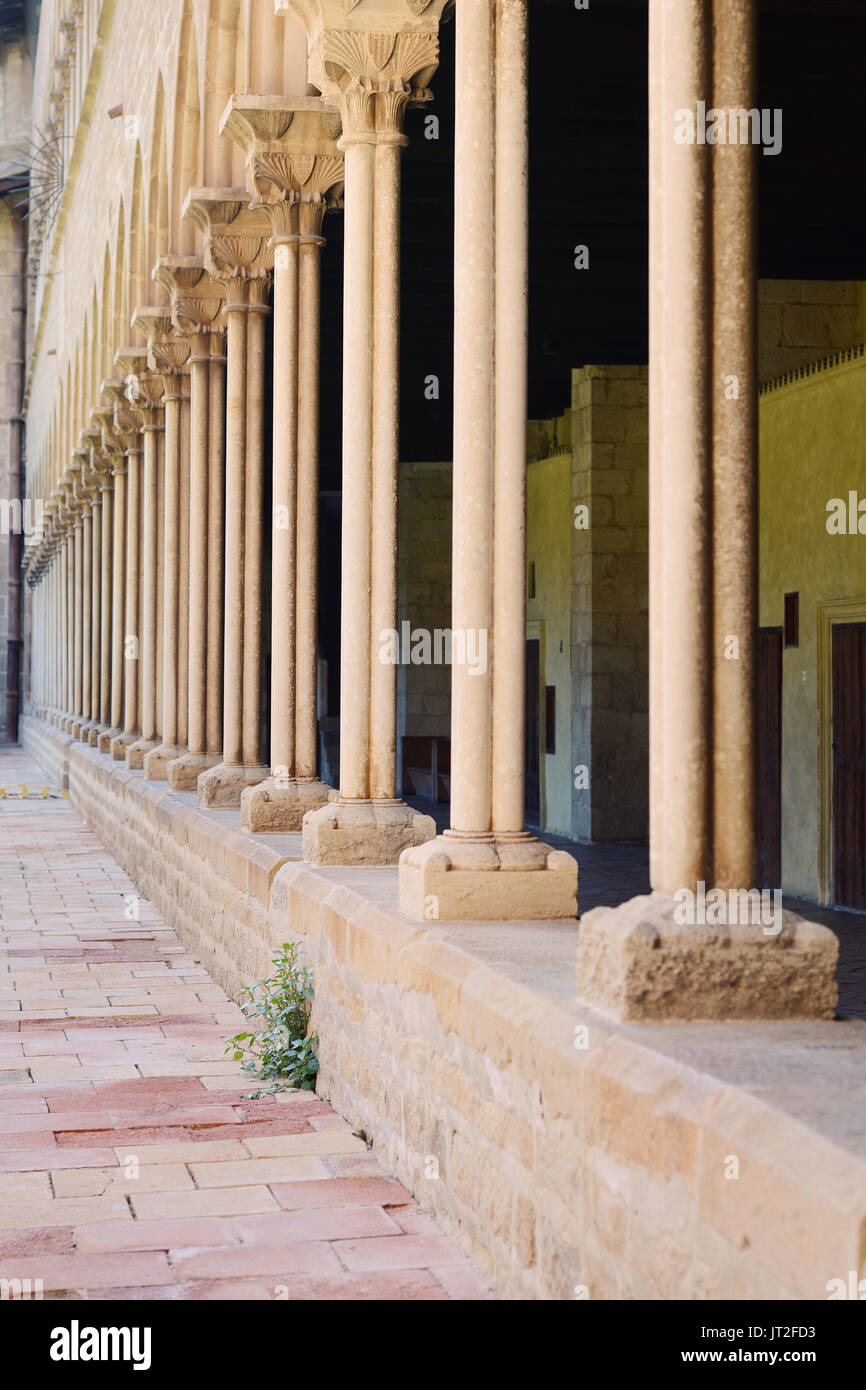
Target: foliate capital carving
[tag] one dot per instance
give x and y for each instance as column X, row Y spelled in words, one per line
column 141, row 391
column 371, row 58
column 195, row 298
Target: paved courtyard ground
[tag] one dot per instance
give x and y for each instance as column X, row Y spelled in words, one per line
column 131, row 1163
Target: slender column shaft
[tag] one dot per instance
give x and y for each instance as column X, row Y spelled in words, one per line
column 355, row 649
column 216, row 541
column 70, row 605
column 385, row 460
column 199, row 368
column 160, row 575
column 149, row 537
column 657, row 137
column 86, row 616
column 68, row 632
column 78, row 618
column 285, row 454
column 254, row 484
column 106, row 607
column 95, row 599
column 681, row 626
column 171, row 565
column 132, row 648
column 473, row 417
column 233, row 665
column 183, row 575
column 118, row 569
column 735, row 453
column 510, row 411
column 307, row 584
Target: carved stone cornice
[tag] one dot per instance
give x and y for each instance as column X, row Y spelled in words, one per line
column 370, row 58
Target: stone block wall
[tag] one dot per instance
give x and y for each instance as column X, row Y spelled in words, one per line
column 801, row 321
column 609, row 602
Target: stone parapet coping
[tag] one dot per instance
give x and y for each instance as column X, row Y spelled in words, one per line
column 571, row 1156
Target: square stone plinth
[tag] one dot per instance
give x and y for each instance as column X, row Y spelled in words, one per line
column 156, row 762
column 638, row 963
column 223, row 785
column 492, row 880
column 183, row 772
column 280, row 804
column 136, row 753
column 363, row 832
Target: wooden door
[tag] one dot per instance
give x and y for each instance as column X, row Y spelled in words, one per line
column 849, row 764
column 769, row 757
column 533, row 731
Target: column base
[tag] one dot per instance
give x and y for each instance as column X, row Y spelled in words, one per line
column 494, row 878
column 183, row 773
column 641, row 962
column 106, row 738
column 119, row 745
column 95, row 734
column 157, row 760
column 137, row 752
column 281, row 804
column 223, row 784
column 363, row 832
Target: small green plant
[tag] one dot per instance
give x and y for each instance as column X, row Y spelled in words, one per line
column 280, row 1049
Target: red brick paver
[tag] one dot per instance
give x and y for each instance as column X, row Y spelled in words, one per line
column 132, row 1165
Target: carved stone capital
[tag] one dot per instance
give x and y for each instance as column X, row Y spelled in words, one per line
column 370, row 58
column 235, row 237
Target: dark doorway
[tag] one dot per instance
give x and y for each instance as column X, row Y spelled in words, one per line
column 769, row 757
column 533, row 731
column 849, row 765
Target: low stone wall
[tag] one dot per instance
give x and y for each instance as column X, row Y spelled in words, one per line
column 572, row 1157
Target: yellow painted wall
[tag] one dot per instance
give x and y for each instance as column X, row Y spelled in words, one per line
column 812, row 449
column 548, row 520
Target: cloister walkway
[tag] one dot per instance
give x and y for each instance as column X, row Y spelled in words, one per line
column 132, row 1164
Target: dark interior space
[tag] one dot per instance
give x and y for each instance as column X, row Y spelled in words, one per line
column 589, row 187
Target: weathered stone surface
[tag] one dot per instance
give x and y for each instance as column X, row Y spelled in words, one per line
column 277, row 804
column 449, row 881
column 363, row 832
column 636, row 962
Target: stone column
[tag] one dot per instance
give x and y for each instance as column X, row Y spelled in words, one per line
column 216, row 541
column 295, row 171
column 486, row 865
column 77, row 600
column 735, row 458
column 105, row 589
column 81, row 728
column 118, row 566
column 168, row 355
column 95, row 588
column 370, row 66
column 69, row 597
column 688, row 952
column 195, row 303
column 237, row 256
column 132, row 363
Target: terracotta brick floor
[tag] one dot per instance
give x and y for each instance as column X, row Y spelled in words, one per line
column 131, row 1163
